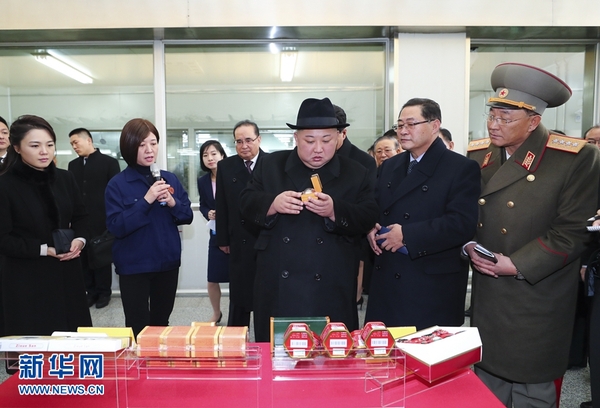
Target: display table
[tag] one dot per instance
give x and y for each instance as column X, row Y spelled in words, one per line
column 462, row 389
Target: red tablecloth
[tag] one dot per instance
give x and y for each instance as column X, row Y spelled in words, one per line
column 462, row 389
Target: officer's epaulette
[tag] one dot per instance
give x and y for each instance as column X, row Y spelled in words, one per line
column 478, row 144
column 565, row 143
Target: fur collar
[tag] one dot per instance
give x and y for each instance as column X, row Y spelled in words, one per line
column 43, row 181
column 32, row 175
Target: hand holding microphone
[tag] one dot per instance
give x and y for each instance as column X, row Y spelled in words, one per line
column 160, row 190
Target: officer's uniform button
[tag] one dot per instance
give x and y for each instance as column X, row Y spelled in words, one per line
column 286, row 240
column 481, row 201
column 317, row 276
column 510, row 204
column 480, row 224
column 406, row 216
column 530, row 177
column 319, row 241
column 397, row 276
column 425, row 188
column 503, row 231
column 285, row 274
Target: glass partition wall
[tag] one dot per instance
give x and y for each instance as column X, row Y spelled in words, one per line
column 210, row 87
column 566, row 62
column 117, row 85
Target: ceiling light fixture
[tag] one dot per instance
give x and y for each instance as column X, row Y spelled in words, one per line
column 62, row 67
column 287, row 63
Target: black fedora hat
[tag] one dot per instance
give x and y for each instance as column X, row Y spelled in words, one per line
column 317, row 114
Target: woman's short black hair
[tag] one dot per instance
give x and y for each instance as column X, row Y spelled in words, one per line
column 133, row 134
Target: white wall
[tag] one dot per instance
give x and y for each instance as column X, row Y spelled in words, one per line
column 435, row 66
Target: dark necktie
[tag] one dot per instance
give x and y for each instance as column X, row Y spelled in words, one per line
column 411, row 165
column 248, row 164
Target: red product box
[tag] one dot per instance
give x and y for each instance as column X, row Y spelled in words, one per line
column 436, row 352
column 298, row 340
column 378, row 339
column 337, row 340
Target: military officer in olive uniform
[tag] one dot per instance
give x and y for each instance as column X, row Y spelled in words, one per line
column 538, row 189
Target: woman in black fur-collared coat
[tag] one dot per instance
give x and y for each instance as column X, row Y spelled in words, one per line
column 42, row 291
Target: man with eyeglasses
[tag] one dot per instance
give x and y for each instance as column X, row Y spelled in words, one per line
column 235, row 235
column 538, row 189
column 427, row 199
column 307, row 248
column 386, row 147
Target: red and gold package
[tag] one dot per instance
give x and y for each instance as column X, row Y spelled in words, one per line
column 298, row 340
column 337, row 341
column 233, row 341
column 378, row 339
column 149, row 341
column 177, row 341
column 205, row 341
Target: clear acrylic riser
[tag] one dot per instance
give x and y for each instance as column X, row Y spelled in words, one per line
column 383, row 375
column 247, row 367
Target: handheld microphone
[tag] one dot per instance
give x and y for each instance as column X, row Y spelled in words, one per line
column 155, row 170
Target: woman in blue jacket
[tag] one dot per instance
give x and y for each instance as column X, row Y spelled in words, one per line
column 143, row 214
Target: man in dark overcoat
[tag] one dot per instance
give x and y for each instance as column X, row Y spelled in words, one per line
column 419, row 277
column 538, row 190
column 347, row 149
column 307, row 250
column 93, row 170
column 235, row 234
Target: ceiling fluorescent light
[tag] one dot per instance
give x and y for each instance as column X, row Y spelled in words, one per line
column 287, row 64
column 62, row 67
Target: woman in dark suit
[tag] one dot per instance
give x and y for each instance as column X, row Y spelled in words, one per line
column 42, row 291
column 211, row 152
column 143, row 214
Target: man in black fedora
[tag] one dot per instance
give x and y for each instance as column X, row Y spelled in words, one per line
column 307, row 263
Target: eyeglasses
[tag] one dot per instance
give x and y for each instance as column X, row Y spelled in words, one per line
column 386, row 151
column 593, row 141
column 502, row 121
column 247, row 141
column 408, row 125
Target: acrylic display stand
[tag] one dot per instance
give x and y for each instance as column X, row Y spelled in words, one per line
column 383, row 375
column 231, row 377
